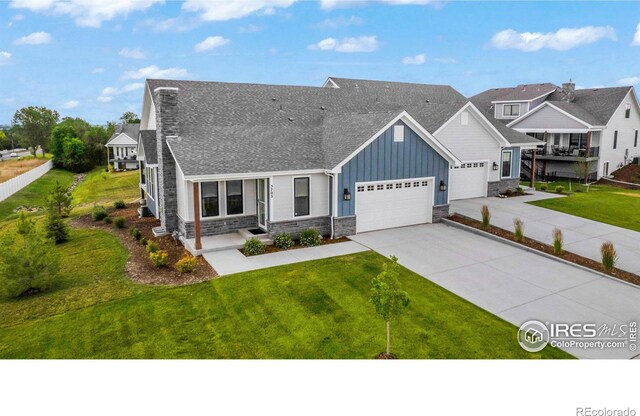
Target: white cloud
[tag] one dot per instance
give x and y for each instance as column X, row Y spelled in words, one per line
column 110, row 91
column 36, row 38
column 105, row 99
column 562, row 40
column 629, row 81
column 636, row 37
column 87, row 13
column 415, row 60
column 136, row 53
column 98, row 70
column 211, row 42
column 334, row 4
column 250, row 29
column 233, row 9
column 445, row 60
column 339, row 22
column 70, row 104
column 5, row 58
column 348, row 45
column 153, row 71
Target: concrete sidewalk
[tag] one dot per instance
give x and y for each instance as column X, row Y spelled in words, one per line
column 581, row 236
column 233, row 261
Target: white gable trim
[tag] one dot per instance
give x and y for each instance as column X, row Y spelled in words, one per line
column 329, row 83
column 483, row 120
column 126, row 141
column 548, row 104
column 632, row 91
column 413, row 125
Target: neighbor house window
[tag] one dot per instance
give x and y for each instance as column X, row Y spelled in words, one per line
column 511, row 110
column 151, row 179
column 615, row 139
column 210, row 200
column 235, row 205
column 506, row 163
column 578, row 140
column 635, row 140
column 301, row 196
column 627, row 111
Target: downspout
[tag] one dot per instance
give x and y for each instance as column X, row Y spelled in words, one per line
column 333, row 178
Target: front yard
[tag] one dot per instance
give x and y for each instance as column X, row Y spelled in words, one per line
column 604, row 203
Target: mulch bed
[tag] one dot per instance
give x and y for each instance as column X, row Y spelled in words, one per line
column 296, row 245
column 385, row 356
column 546, row 248
column 629, row 173
column 139, row 267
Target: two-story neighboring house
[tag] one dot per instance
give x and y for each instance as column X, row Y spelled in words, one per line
column 594, row 129
column 121, row 147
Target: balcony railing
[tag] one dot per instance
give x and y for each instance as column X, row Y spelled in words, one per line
column 570, row 151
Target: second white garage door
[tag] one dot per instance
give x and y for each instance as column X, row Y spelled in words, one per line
column 468, row 181
column 389, row 204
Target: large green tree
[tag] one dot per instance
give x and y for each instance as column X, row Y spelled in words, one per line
column 130, row 118
column 73, row 154
column 34, row 125
column 5, row 143
column 387, row 296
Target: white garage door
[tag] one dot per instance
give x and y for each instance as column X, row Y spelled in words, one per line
column 468, row 181
column 389, row 204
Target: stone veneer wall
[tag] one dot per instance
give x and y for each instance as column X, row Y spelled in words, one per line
column 295, row 227
column 440, row 212
column 344, row 226
column 166, row 126
column 217, row 226
column 497, row 188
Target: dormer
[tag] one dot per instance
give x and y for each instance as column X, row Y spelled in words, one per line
column 520, row 100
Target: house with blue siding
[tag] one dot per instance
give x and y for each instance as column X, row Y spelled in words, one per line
column 349, row 157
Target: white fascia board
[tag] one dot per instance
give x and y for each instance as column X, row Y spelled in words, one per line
column 528, row 130
column 329, row 83
column 526, row 146
column 132, row 143
column 548, row 104
column 631, row 91
column 495, row 133
column 413, row 125
column 251, row 175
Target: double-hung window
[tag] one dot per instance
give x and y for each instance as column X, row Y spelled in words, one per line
column 506, row 163
column 235, row 205
column 210, row 200
column 300, row 196
column 511, row 110
column 627, row 110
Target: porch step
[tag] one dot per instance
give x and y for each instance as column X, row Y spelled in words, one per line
column 221, row 242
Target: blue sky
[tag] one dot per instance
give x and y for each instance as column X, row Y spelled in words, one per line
column 90, row 61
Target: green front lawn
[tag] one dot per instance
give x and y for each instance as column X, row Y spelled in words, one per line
column 603, row 203
column 318, row 309
column 33, row 194
column 100, row 187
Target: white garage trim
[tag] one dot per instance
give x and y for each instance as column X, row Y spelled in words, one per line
column 469, row 180
column 394, row 203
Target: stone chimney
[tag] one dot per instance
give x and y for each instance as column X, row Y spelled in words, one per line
column 569, row 90
column 166, row 127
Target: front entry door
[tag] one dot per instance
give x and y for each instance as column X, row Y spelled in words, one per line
column 262, row 203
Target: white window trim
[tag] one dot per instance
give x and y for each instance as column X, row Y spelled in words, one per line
column 293, row 197
column 202, row 202
column 511, row 115
column 510, row 163
column 244, row 200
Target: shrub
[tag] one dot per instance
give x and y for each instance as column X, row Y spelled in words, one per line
column 558, row 240
column 486, row 216
column 159, row 258
column 508, row 192
column 544, row 187
column 518, row 227
column 152, row 247
column 519, row 190
column 143, row 241
column 283, row 240
column 559, row 189
column 119, row 204
column 187, row 264
column 135, row 233
column 56, row 229
column 310, row 237
column 253, row 247
column 119, row 222
column 107, row 220
column 609, row 255
column 98, row 213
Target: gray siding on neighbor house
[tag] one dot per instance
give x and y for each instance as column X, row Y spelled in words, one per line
column 384, row 159
column 548, row 118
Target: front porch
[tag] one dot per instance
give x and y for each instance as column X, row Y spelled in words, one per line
column 229, row 241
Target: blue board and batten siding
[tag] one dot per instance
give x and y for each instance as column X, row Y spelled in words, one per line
column 515, row 161
column 383, row 159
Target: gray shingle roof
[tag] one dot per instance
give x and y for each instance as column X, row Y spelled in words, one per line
column 148, row 141
column 238, row 128
column 130, row 130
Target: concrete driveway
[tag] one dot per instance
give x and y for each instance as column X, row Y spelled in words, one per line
column 582, row 236
column 509, row 282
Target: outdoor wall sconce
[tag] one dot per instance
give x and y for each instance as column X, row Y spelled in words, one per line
column 443, row 186
column 346, row 196
column 495, row 166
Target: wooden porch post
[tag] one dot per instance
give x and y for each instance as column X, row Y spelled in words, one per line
column 196, row 214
